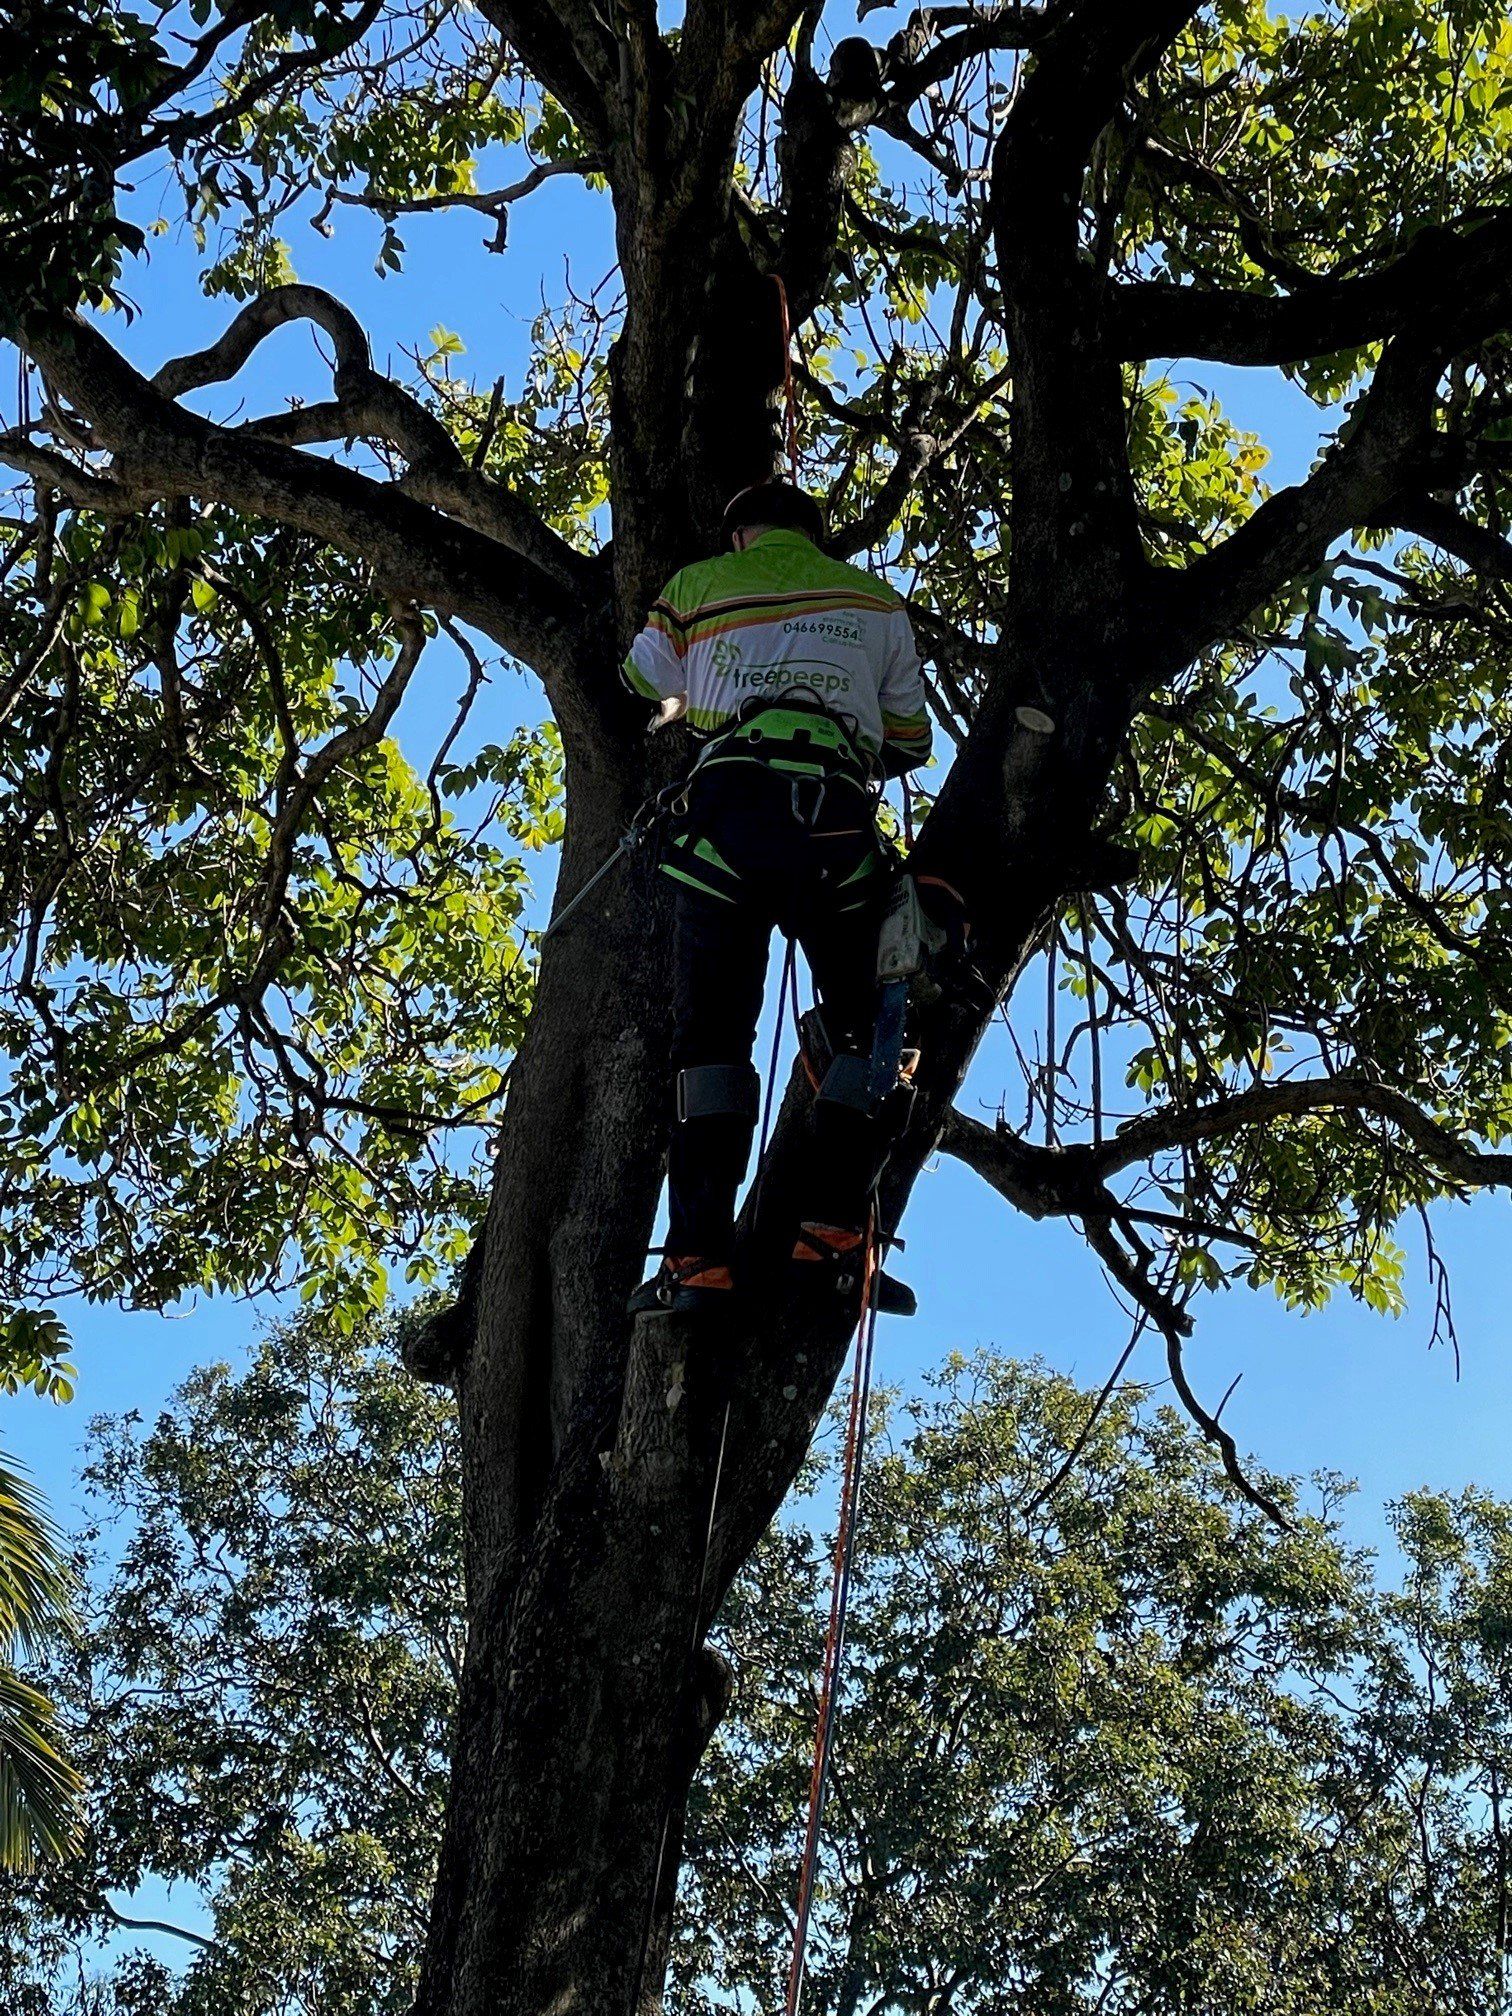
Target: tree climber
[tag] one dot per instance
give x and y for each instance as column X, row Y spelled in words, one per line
column 801, row 675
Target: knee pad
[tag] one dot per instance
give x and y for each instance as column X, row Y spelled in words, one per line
column 720, row 1102
column 717, row 1092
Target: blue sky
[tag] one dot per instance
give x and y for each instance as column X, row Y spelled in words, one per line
column 1341, row 1390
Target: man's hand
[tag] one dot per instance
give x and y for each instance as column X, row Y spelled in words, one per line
column 669, row 711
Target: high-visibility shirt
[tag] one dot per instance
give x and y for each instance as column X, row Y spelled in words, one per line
column 780, row 616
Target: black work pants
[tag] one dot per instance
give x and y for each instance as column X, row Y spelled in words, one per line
column 757, row 850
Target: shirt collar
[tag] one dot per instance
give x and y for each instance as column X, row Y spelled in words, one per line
column 783, row 534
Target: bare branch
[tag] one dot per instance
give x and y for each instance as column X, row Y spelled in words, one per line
column 1068, row 1182
column 157, row 1925
column 493, row 203
column 1175, row 1326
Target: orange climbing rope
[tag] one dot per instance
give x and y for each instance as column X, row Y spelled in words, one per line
column 790, row 398
column 834, row 1643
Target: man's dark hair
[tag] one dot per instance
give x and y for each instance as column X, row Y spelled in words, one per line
column 774, row 503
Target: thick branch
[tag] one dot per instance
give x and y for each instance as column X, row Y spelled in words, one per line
column 370, row 405
column 1483, row 551
column 56, row 472
column 1085, row 62
column 161, row 450
column 1069, row 1182
column 1438, row 272
column 1074, row 518
column 1356, row 484
column 568, row 47
column 916, row 62
column 223, row 358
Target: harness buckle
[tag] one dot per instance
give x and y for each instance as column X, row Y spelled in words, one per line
column 815, row 784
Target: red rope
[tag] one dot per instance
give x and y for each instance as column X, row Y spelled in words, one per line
column 834, row 1643
column 790, row 398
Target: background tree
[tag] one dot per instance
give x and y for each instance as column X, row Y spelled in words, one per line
column 39, row 1788
column 1110, row 1742
column 1266, row 830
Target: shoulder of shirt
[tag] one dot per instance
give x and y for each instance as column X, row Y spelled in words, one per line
column 723, row 577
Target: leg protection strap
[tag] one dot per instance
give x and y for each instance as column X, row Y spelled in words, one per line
column 718, row 1092
column 846, row 1084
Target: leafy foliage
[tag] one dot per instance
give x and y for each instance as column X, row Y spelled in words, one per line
column 232, row 1009
column 1316, row 806
column 268, row 1679
column 1122, row 1740
column 1118, row 1748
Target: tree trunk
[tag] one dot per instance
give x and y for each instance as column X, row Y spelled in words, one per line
column 589, row 1452
column 588, row 1695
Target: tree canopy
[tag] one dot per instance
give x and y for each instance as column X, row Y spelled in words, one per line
column 1228, row 759
column 258, row 968
column 1113, row 1743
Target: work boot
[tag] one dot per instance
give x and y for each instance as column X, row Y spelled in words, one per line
column 836, row 1255
column 685, row 1284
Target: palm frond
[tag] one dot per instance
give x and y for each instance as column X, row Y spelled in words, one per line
column 35, row 1582
column 39, row 1788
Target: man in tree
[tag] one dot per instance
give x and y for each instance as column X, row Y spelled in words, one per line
column 804, row 673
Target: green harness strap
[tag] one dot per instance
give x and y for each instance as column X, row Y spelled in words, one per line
column 800, row 741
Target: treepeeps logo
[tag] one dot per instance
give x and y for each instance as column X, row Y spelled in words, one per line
column 725, row 664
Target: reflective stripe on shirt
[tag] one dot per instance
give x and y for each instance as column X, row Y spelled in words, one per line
column 782, row 615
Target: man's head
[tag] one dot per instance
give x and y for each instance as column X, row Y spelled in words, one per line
column 771, row 506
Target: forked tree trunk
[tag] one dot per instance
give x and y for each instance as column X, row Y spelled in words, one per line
column 588, row 1451
column 588, row 1697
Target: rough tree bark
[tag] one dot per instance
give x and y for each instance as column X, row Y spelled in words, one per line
column 588, row 1696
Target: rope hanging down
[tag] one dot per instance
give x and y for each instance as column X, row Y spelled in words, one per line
column 834, row 1644
column 789, row 397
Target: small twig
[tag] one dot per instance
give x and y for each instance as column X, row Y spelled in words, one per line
column 1175, row 1325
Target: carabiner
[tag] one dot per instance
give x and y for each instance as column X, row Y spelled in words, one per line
column 798, row 784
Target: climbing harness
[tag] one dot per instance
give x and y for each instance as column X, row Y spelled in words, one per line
column 798, row 736
column 840, row 1584
column 793, row 732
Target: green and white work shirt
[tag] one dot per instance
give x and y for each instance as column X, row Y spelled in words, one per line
column 778, row 617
